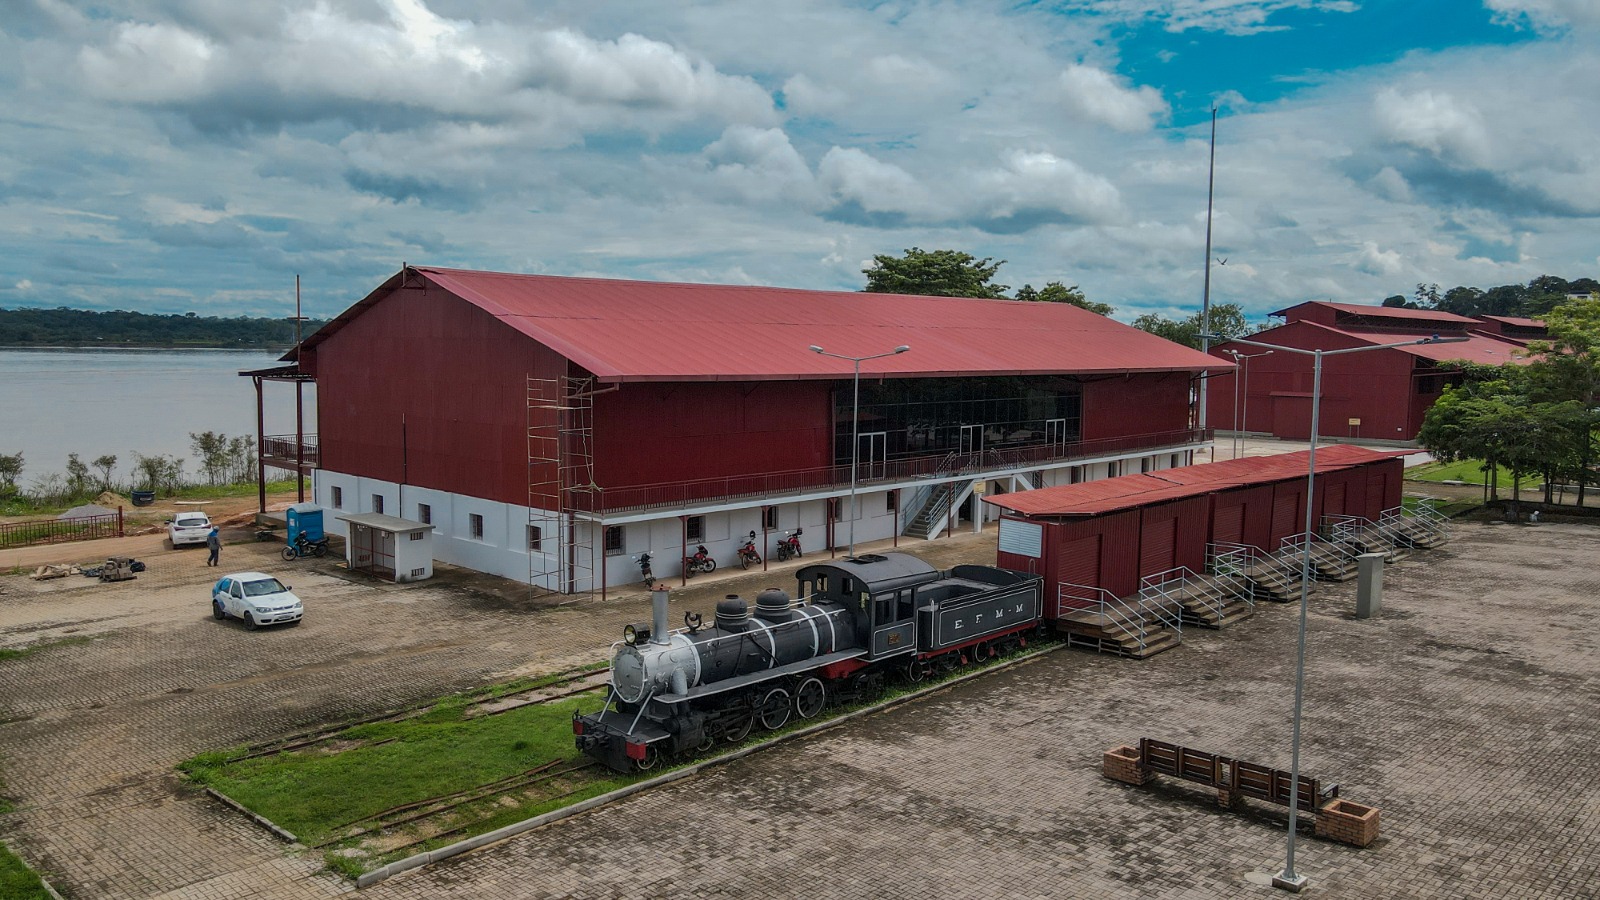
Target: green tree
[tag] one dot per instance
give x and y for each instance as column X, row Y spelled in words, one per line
column 1227, row 321
column 1398, row 301
column 77, row 476
column 1427, row 296
column 211, row 449
column 1056, row 292
column 937, row 273
column 105, row 465
column 10, row 471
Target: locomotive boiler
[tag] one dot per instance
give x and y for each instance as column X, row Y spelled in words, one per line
column 857, row 622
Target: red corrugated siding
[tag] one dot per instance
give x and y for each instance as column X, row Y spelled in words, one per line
column 657, row 433
column 1288, row 511
column 1135, row 404
column 1173, row 534
column 1100, row 552
column 1383, row 486
column 454, row 375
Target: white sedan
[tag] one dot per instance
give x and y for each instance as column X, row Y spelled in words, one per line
column 188, row 528
column 256, row 598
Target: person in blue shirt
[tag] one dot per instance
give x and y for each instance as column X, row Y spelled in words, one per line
column 213, row 544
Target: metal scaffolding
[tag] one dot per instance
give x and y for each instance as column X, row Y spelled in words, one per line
column 562, row 549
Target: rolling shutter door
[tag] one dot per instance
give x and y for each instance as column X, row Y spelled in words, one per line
column 1227, row 526
column 1157, row 544
column 1284, row 507
column 1333, row 500
column 1079, row 561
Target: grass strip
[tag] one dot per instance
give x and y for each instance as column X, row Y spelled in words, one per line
column 17, row 881
column 10, row 653
column 1466, row 471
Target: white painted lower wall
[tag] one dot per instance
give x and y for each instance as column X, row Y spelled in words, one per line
column 502, row 547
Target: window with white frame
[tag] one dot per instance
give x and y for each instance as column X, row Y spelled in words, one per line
column 338, row 498
column 424, row 513
column 695, row 528
column 536, row 538
column 769, row 518
column 377, row 504
column 615, row 540
column 475, row 526
column 892, row 501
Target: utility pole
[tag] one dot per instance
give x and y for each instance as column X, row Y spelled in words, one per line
column 1205, row 296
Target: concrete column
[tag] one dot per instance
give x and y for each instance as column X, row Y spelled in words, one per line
column 1369, row 585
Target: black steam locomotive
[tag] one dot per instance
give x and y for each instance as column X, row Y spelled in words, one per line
column 858, row 622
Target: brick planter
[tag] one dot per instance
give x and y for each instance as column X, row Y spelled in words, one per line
column 1346, row 822
column 1122, row 764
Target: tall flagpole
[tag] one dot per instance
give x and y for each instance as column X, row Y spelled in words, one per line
column 1205, row 296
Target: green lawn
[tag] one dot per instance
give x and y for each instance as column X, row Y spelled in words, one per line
column 364, row 770
column 17, row 881
column 1468, row 471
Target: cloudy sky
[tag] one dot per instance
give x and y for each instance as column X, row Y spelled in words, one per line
column 194, row 155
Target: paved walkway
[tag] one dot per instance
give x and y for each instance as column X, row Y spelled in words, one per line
column 1463, row 713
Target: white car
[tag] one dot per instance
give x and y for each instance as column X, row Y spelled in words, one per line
column 188, row 528
column 256, row 598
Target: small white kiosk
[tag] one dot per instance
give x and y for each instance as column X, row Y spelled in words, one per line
column 387, row 547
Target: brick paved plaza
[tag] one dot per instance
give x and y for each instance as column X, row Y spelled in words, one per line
column 1466, row 713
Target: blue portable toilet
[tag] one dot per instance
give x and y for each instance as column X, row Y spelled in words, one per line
column 305, row 517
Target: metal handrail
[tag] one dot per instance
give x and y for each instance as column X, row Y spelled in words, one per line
column 594, row 499
column 1176, row 583
column 1130, row 617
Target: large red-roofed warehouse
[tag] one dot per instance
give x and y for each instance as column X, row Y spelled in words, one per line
column 553, row 428
column 1376, row 395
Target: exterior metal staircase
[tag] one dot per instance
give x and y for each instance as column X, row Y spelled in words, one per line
column 1207, row 599
column 1095, row 619
column 1272, row 576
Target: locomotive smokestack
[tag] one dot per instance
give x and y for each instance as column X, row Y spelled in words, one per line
column 658, row 614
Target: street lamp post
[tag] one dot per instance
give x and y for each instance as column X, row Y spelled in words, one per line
column 1240, row 420
column 1288, row 879
column 855, row 424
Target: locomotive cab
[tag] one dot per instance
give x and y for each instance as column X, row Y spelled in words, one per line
column 879, row 589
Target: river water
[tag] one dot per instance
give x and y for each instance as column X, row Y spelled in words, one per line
column 93, row 402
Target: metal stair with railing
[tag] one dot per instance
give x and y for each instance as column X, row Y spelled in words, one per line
column 1205, row 599
column 935, row 510
column 1422, row 526
column 1272, row 576
column 1093, row 618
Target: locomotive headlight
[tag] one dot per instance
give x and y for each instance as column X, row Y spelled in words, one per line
column 633, row 635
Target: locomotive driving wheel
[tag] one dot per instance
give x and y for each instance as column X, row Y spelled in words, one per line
column 916, row 671
column 740, row 729
column 809, row 698
column 774, row 709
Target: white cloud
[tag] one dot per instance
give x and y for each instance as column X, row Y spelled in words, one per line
column 759, row 164
column 1546, row 14
column 1043, row 183
column 149, row 64
column 1237, row 17
column 1450, row 129
column 1098, row 96
column 1390, row 184
column 1378, row 262
column 854, row 176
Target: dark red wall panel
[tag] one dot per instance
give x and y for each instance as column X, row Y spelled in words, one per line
column 656, row 433
column 1173, row 534
column 1135, row 404
column 428, row 390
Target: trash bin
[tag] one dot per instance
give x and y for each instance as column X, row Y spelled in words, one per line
column 142, row 498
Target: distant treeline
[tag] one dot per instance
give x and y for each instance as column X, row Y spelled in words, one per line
column 63, row 327
column 1533, row 300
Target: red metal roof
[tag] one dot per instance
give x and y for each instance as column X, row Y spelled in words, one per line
column 1387, row 312
column 1478, row 348
column 655, row 331
column 1518, row 321
column 1091, row 498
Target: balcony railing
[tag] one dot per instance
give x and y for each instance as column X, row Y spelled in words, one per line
column 778, row 484
column 278, row 451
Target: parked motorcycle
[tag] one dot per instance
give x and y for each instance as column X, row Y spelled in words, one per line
column 789, row 546
column 304, row 547
column 700, row 562
column 747, row 554
column 647, row 577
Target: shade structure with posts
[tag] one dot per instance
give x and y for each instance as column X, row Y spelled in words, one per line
column 1288, row 879
column 1241, row 421
column 855, row 423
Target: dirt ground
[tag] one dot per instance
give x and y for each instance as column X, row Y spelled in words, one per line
column 1459, row 712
